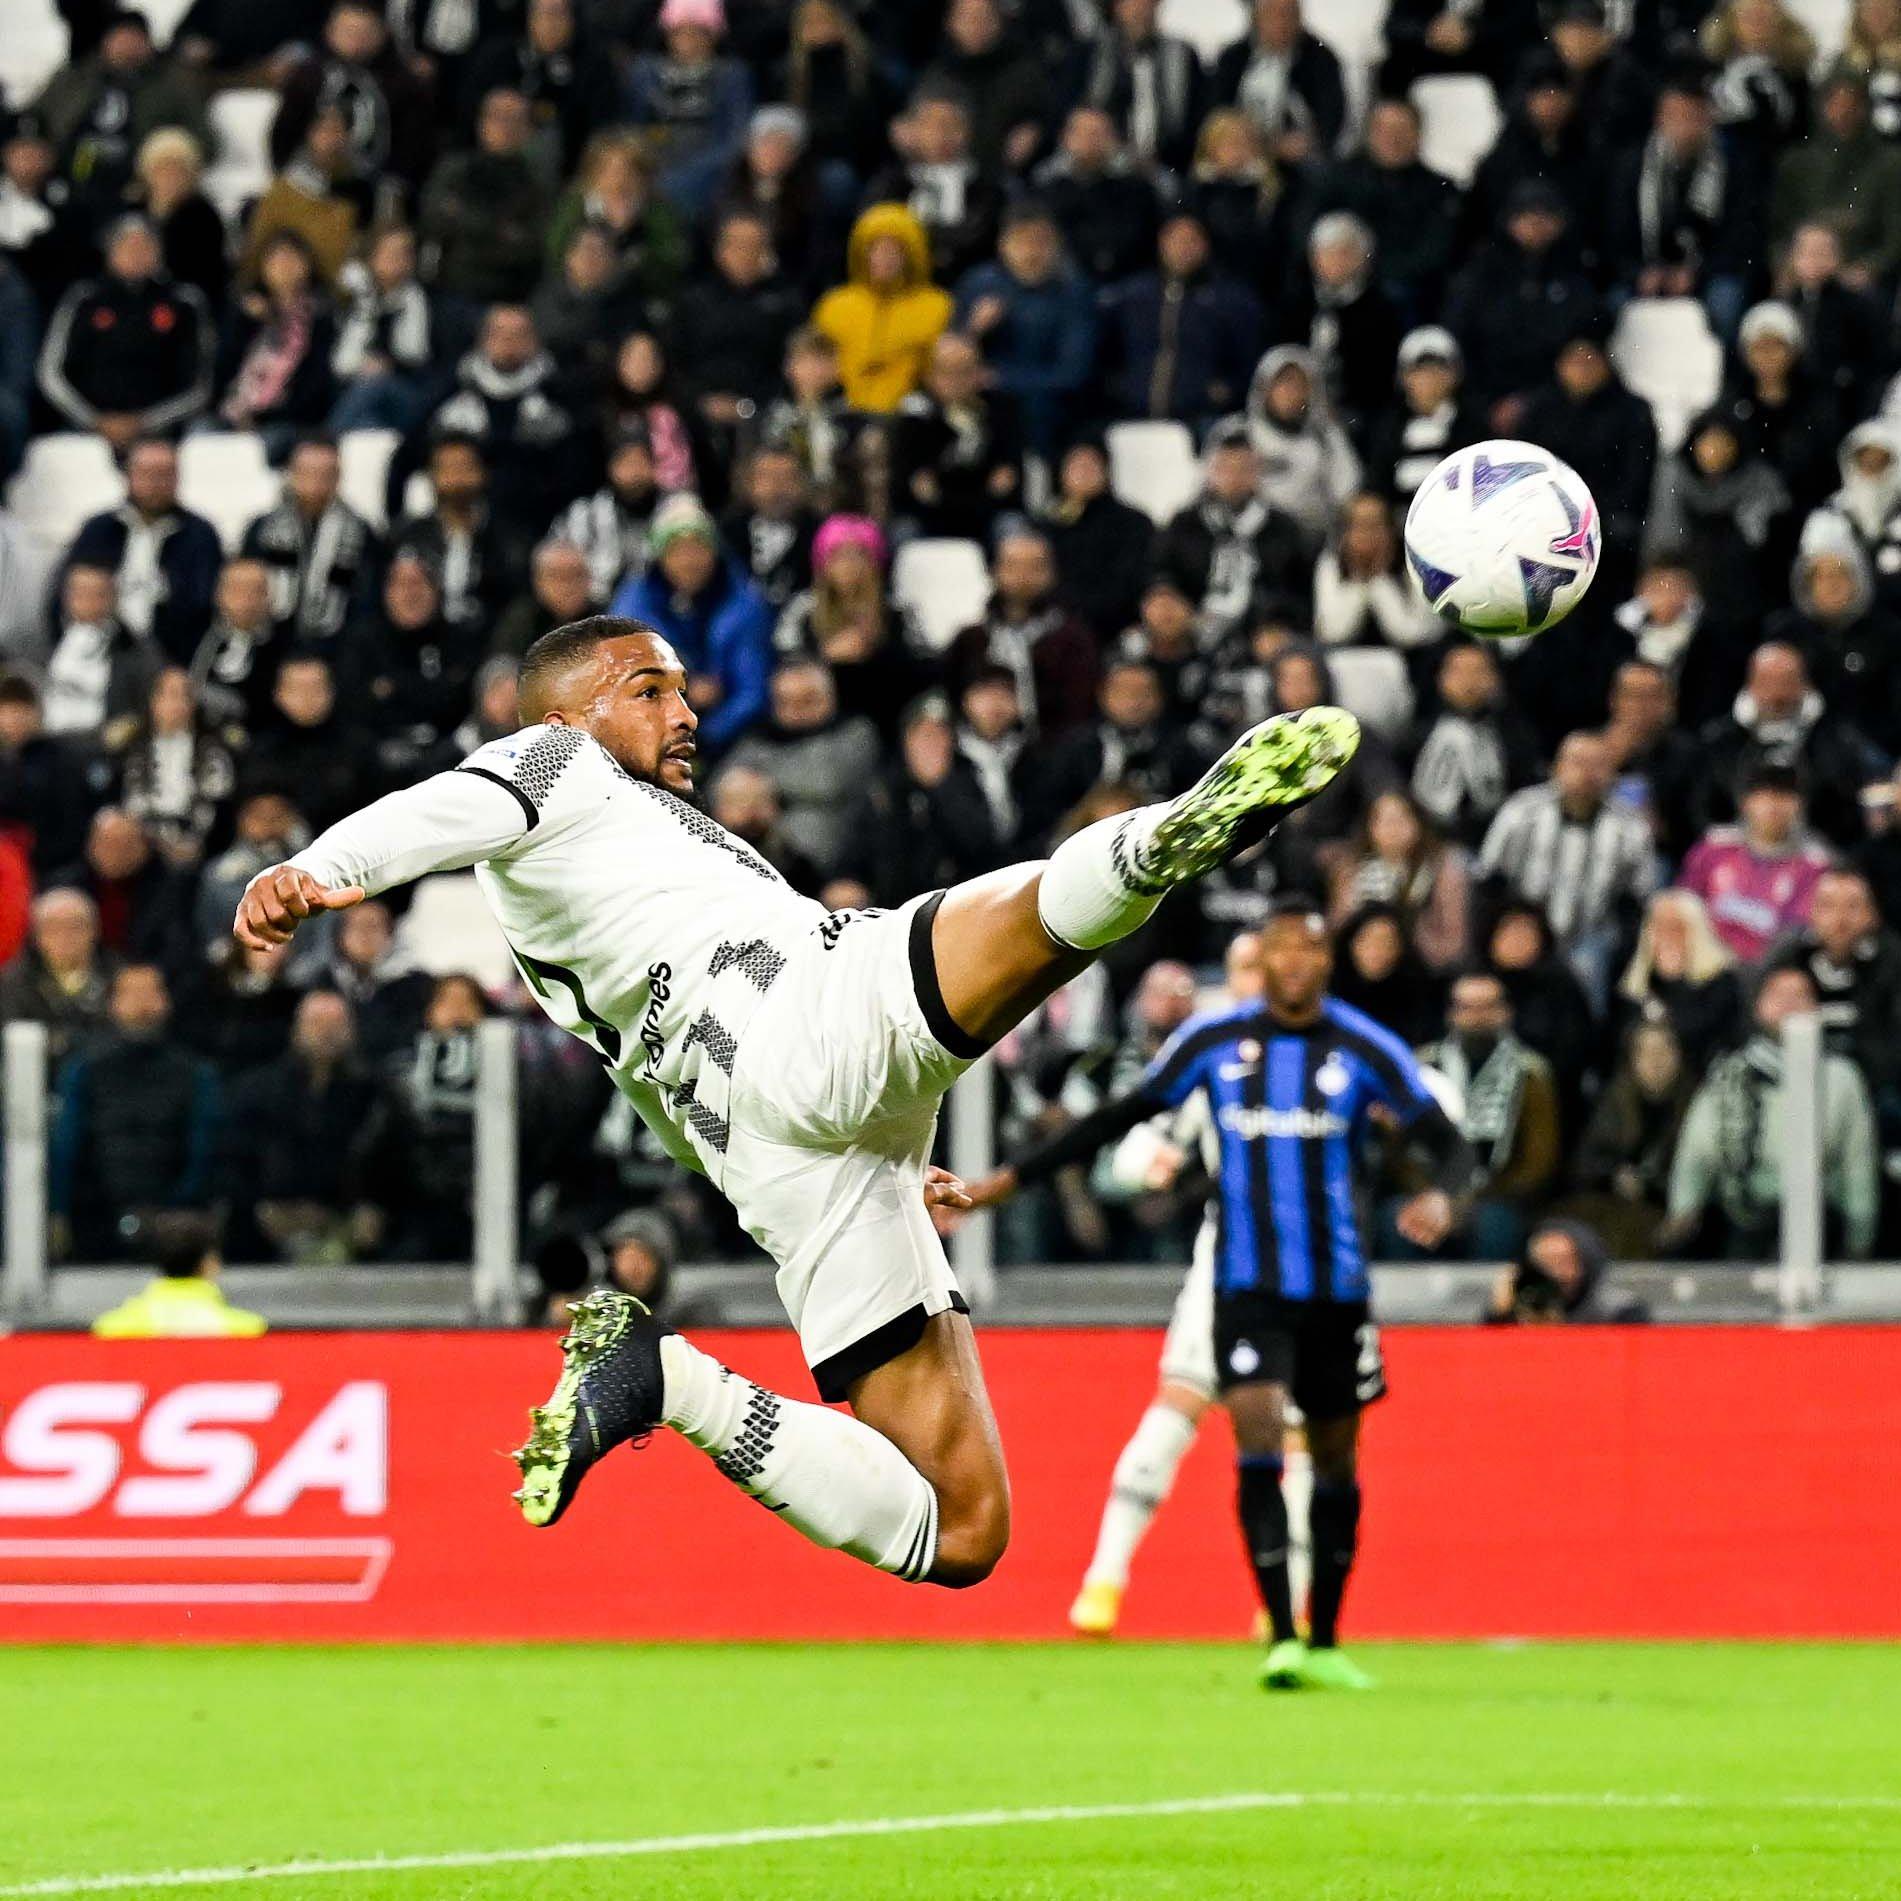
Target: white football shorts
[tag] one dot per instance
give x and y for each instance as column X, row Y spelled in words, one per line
column 1188, row 1348
column 836, row 1084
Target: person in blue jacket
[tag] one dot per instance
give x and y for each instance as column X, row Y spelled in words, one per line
column 716, row 620
column 1034, row 314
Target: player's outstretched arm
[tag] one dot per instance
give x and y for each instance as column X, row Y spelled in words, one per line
column 446, row 823
column 1076, row 1143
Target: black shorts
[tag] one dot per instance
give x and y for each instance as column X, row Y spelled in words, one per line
column 1325, row 1352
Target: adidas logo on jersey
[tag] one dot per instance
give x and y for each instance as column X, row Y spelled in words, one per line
column 1251, row 1125
column 659, row 990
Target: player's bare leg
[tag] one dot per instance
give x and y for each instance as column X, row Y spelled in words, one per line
column 1259, row 1412
column 1005, row 941
column 931, row 1404
column 1144, row 1474
column 1334, row 1528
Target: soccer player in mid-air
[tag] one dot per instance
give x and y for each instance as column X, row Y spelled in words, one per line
column 1292, row 1081
column 795, row 1057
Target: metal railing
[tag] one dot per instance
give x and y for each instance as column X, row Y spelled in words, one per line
column 492, row 1283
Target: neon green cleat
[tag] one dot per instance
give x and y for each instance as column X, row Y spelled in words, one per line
column 1335, row 1670
column 1286, row 1665
column 1273, row 767
column 1096, row 1610
column 609, row 1394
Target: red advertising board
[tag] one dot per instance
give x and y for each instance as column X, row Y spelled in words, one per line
column 1666, row 1482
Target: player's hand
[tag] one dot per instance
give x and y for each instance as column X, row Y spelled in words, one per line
column 1426, row 1220
column 988, row 1190
column 946, row 1198
column 279, row 898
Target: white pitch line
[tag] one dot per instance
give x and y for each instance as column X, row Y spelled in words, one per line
column 1243, row 1801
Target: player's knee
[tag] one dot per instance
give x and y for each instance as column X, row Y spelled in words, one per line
column 972, row 1536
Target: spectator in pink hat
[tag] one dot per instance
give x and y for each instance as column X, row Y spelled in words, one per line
column 695, row 101
column 847, row 619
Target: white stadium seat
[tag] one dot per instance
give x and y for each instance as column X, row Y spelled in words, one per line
column 1459, row 122
column 945, row 583
column 65, row 479
column 240, row 166
column 449, row 928
column 1209, row 26
column 365, row 455
column 1372, row 684
column 1827, row 22
column 162, row 16
column 1665, row 350
column 33, row 43
column 1355, row 29
column 225, row 478
column 1153, row 467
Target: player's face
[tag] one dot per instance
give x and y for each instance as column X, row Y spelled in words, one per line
column 1296, row 961
column 633, row 700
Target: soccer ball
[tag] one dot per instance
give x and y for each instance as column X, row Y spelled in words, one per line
column 1502, row 539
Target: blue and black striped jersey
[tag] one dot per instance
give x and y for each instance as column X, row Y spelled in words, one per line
column 1290, row 1109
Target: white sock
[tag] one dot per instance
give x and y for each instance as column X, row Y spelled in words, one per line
column 826, row 1474
column 1092, row 891
column 1142, row 1479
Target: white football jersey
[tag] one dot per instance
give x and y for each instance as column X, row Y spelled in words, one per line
column 642, row 927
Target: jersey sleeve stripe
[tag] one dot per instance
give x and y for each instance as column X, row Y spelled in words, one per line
column 514, row 791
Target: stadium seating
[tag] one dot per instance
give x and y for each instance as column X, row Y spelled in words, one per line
column 241, row 167
column 1371, row 683
column 33, row 40
column 1153, row 467
column 1665, row 350
column 366, row 456
column 1209, row 26
column 65, row 479
column 225, row 477
column 1459, row 122
column 945, row 583
column 450, row 929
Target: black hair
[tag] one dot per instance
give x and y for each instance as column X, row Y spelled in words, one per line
column 563, row 647
column 1296, row 904
column 180, row 1243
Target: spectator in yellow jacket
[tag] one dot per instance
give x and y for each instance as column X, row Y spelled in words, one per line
column 183, row 1300
column 885, row 317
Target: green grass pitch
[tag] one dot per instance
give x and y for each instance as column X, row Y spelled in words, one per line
column 1666, row 1773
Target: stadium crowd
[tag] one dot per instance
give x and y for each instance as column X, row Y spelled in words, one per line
column 716, row 314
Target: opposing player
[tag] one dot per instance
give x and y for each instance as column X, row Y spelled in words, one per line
column 1292, row 1082
column 795, row 1057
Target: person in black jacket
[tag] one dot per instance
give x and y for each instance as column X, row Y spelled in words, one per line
column 1149, row 82
column 956, row 452
column 1102, row 545
column 1679, row 220
column 308, row 751
column 164, row 558
column 1543, row 142
column 1433, row 416
column 48, row 785
column 1132, row 742
column 988, row 64
column 358, row 72
column 318, row 550
column 1350, row 323
column 941, row 180
column 1614, row 90
column 1231, row 547
column 568, row 81
column 129, row 353
column 730, row 327
column 1104, row 203
column 1412, row 211
column 304, row 1141
column 1287, row 81
column 137, row 1126
column 1428, row 37
column 1517, row 300
column 925, row 816
column 415, row 668
column 1851, row 642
